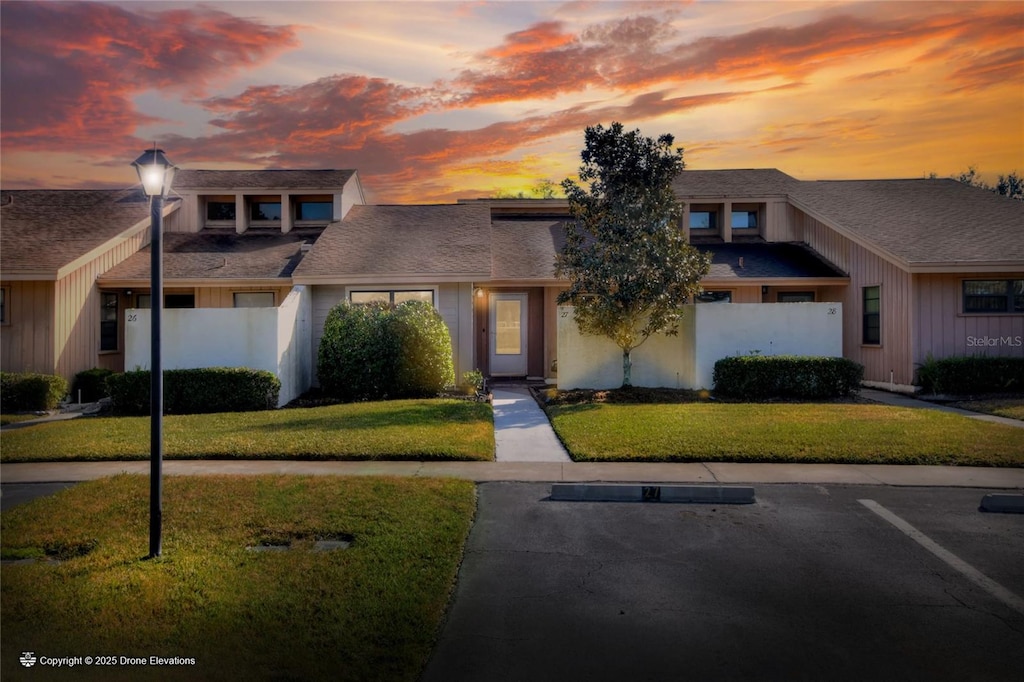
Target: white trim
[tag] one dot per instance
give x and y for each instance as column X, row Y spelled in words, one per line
column 144, row 282
column 400, row 287
column 389, row 279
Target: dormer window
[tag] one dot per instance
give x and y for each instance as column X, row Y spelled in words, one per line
column 265, row 210
column 220, row 210
column 744, row 220
column 321, row 211
column 703, row 220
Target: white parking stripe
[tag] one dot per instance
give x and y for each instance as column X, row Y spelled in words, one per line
column 970, row 572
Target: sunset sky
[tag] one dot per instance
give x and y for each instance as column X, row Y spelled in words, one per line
column 434, row 101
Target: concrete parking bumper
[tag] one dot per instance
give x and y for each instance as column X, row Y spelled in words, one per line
column 610, row 492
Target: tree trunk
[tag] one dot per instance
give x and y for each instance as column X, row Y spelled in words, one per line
column 627, row 369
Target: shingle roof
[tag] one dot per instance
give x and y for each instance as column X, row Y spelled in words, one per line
column 261, row 179
column 375, row 241
column 765, row 261
column 752, row 182
column 525, row 248
column 921, row 221
column 220, row 254
column 42, row 231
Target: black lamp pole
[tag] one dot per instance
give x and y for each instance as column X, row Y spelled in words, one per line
column 156, row 385
column 156, row 174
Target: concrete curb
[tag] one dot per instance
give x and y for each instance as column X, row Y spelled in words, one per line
column 1003, row 503
column 610, row 492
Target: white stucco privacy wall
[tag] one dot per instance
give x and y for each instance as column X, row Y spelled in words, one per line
column 272, row 339
column 706, row 334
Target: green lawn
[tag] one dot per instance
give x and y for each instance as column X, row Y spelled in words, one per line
column 804, row 432
column 1012, row 408
column 6, row 419
column 369, row 612
column 400, row 429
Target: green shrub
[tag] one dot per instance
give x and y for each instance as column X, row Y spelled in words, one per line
column 971, row 375
column 757, row 377
column 373, row 352
column 424, row 365
column 92, row 383
column 356, row 358
column 28, row 392
column 197, row 391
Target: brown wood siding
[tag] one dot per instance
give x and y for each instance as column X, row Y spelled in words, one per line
column 943, row 330
column 779, row 222
column 26, row 343
column 895, row 353
column 77, row 316
column 828, row 244
column 480, row 323
column 551, row 329
column 224, row 297
column 535, row 340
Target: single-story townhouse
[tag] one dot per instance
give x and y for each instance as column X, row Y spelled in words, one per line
column 916, row 267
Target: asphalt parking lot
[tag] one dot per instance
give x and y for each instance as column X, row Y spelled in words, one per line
column 808, row 583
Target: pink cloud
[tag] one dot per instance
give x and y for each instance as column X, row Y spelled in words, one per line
column 69, row 70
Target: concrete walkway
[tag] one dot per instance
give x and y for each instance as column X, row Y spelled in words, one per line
column 571, row 472
column 900, row 400
column 522, row 432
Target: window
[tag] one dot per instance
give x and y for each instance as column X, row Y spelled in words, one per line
column 703, row 220
column 795, row 297
column 994, row 296
column 265, row 210
column 108, row 321
column 314, row 210
column 220, row 210
column 170, row 301
column 872, row 330
column 3, row 305
column 179, row 301
column 254, row 299
column 714, row 297
column 742, row 220
column 392, row 297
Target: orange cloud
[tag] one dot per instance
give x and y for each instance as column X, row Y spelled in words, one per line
column 70, row 73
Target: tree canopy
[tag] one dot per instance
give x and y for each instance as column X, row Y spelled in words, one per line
column 629, row 265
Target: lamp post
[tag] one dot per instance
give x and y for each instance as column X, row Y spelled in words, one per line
column 156, row 173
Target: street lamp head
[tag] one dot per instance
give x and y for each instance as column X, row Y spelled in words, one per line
column 156, row 172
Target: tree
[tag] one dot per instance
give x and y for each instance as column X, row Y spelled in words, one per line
column 1011, row 186
column 542, row 189
column 627, row 260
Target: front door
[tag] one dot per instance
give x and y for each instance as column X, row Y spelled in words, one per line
column 508, row 334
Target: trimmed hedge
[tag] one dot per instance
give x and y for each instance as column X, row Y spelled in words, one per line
column 29, row 392
column 375, row 351
column 92, row 383
column 971, row 375
column 197, row 391
column 424, row 365
column 356, row 356
column 758, row 377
